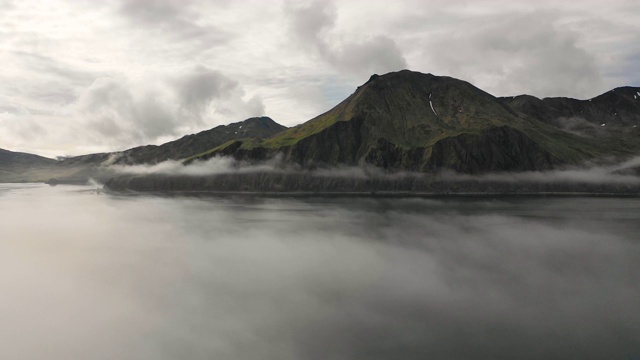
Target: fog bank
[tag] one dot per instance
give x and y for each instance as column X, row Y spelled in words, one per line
column 228, row 165
column 624, row 173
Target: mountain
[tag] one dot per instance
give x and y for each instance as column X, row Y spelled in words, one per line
column 79, row 169
column 189, row 145
column 400, row 122
column 613, row 117
column 421, row 122
column 619, row 107
column 96, row 165
column 10, row 159
column 20, row 167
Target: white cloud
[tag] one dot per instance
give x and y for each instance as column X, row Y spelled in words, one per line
column 166, row 68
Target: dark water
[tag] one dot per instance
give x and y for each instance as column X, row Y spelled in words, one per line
column 101, row 277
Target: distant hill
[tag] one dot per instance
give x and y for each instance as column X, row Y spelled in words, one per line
column 619, row 107
column 10, row 159
column 189, row 145
column 19, row 167
column 78, row 169
column 421, row 122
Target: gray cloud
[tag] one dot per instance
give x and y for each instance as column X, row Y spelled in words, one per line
column 627, row 71
column 137, row 112
column 311, row 24
column 55, row 68
column 521, row 53
column 207, row 92
column 168, row 15
column 115, row 112
column 292, row 60
column 309, row 21
column 176, row 20
column 198, row 88
column 45, row 82
column 376, row 55
column 6, row 5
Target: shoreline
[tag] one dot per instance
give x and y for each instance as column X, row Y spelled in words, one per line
column 364, row 194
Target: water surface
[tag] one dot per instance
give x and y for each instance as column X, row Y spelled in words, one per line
column 87, row 276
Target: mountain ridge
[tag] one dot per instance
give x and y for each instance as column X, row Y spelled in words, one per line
column 78, row 169
column 396, row 121
column 21, row 167
column 410, row 121
column 188, row 145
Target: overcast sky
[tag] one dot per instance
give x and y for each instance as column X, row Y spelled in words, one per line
column 83, row 76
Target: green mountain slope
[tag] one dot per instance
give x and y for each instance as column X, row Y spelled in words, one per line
column 78, row 169
column 412, row 121
column 189, row 145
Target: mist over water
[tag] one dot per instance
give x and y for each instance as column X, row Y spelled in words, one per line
column 105, row 277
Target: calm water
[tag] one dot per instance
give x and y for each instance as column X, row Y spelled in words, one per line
column 102, row 277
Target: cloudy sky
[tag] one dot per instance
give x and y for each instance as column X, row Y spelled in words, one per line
column 82, row 76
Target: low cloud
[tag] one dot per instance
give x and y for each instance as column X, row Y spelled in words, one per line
column 624, row 173
column 213, row 166
column 228, row 165
column 579, row 126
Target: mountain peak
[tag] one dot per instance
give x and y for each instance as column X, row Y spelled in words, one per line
column 262, row 120
column 407, row 108
column 372, row 78
column 411, row 120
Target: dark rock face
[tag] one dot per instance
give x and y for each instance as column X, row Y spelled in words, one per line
column 493, row 150
column 339, row 144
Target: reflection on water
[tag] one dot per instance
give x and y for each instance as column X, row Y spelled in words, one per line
column 104, row 277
